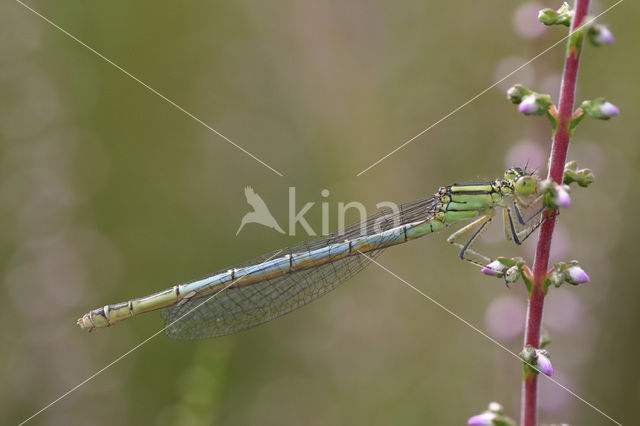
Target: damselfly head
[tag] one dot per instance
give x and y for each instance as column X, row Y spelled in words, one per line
column 524, row 183
column 514, row 173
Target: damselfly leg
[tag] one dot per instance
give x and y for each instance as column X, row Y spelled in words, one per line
column 477, row 226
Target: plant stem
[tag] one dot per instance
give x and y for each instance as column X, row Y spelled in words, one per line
column 559, row 148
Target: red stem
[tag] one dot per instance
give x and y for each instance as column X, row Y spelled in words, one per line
column 559, row 148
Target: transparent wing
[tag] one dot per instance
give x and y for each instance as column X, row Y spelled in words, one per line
column 237, row 308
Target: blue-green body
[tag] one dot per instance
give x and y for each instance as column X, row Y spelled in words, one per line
column 291, row 277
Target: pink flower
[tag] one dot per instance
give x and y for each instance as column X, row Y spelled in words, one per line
column 493, row 416
column 577, row 275
column 543, row 363
column 493, row 269
column 484, row 419
column 562, row 198
column 600, row 35
column 609, row 110
column 599, row 108
column 528, row 105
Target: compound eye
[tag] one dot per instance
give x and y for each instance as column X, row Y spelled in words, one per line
column 526, row 185
column 509, row 174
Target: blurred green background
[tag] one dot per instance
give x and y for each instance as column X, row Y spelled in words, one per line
column 107, row 192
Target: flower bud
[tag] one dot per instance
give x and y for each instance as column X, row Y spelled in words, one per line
column 528, row 105
column 528, row 354
column 494, row 269
column 517, row 92
column 609, row 110
column 512, row 275
column 543, row 363
column 547, row 185
column 535, row 104
column 495, row 407
column 561, row 16
column 492, row 417
column 571, row 165
column 599, row 34
column 600, row 109
column 484, row 419
column 556, row 278
column 576, row 275
column 555, row 195
column 562, row 198
column 583, row 177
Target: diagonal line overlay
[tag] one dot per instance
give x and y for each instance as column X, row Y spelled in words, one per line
column 589, row 22
column 280, row 174
column 146, row 86
column 476, row 329
column 136, row 347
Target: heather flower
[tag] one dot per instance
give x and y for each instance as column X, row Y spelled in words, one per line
column 543, row 363
column 609, row 110
column 492, row 417
column 493, row 269
column 576, row 275
column 528, row 105
column 562, row 198
column 600, row 109
column 599, row 34
column 484, row 419
column 534, row 103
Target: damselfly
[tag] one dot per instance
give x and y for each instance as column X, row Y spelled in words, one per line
column 272, row 285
